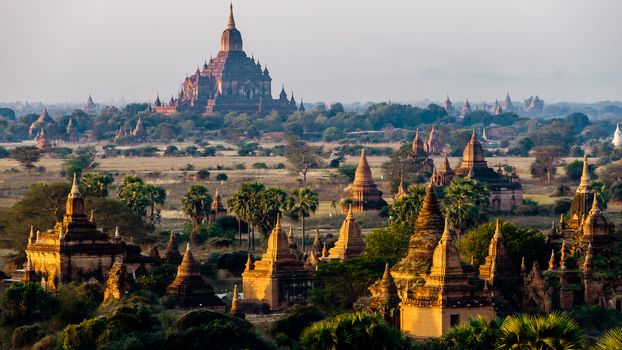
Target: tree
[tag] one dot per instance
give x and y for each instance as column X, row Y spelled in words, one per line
column 547, row 160
column 303, row 202
column 528, row 243
column 155, row 195
column 465, row 202
column 83, row 159
column 26, row 156
column 196, row 204
column 352, row 331
column 295, row 320
column 575, row 169
column 402, row 167
column 476, row 334
column 95, row 184
column 389, row 242
column 132, row 192
column 332, row 134
column 404, row 210
column 25, row 303
column 611, row 173
column 301, row 156
column 553, row 331
column 611, row 340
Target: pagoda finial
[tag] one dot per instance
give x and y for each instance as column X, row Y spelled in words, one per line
column 74, row 187
column 349, row 214
column 324, row 251
column 231, row 21
column 446, row 235
column 523, row 268
column 188, row 247
column 249, row 263
column 585, row 185
column 92, row 216
column 497, row 230
column 473, row 136
column 117, row 235
column 387, row 272
column 278, row 221
column 552, row 260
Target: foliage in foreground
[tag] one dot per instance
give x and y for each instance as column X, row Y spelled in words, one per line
column 353, row 331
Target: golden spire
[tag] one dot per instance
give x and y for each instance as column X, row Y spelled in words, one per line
column 117, row 235
column 75, row 191
column 362, row 175
column 249, row 263
column 75, row 203
column 585, row 186
column 324, row 251
column 417, row 146
column 278, row 247
column 552, row 260
column 401, row 192
column 31, row 236
column 231, row 21
column 497, row 235
column 234, row 302
column 92, row 216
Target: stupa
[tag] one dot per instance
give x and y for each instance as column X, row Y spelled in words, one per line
column 363, row 194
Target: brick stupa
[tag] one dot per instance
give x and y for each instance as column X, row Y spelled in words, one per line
column 498, row 262
column 189, row 287
column 350, row 243
column 363, row 194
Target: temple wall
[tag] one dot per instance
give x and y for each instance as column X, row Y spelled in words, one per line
column 260, row 289
column 425, row 322
column 505, row 199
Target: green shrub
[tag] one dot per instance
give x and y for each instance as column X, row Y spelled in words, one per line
column 26, row 335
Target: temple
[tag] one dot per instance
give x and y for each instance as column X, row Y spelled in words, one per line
column 449, row 107
column 507, row 103
column 506, row 192
column 75, row 250
column 230, row 82
column 428, row 230
column 419, row 155
column 217, row 209
column 466, row 108
column 433, row 144
column 580, row 206
column 350, row 243
column 446, row 298
column 190, row 289
column 279, row 278
column 385, row 299
column 43, row 122
column 363, row 194
column 498, row 262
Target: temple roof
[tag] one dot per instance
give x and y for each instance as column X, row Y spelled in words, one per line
column 430, row 218
column 231, row 39
column 473, row 154
column 498, row 262
column 278, row 246
column 350, row 242
column 417, row 148
column 585, row 185
column 171, row 254
column 446, row 259
column 363, row 176
column 401, row 191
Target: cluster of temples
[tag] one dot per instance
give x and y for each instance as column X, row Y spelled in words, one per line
column 229, row 82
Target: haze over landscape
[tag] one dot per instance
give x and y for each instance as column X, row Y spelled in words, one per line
column 322, row 50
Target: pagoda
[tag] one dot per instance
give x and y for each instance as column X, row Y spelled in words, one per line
column 498, row 262
column 419, row 155
column 385, row 299
column 42, row 143
column 498, row 110
column 90, row 106
column 43, row 122
column 75, row 250
column 350, row 243
column 445, row 299
column 580, row 206
column 466, row 108
column 217, row 209
column 433, row 145
column 443, row 177
column 507, row 103
column 189, row 287
column 229, row 82
column 428, row 230
column 363, row 193
column 449, row 107
column 279, row 278
column 617, row 137
column 171, row 254
column 506, row 192
column 596, row 231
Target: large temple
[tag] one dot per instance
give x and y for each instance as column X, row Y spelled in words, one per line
column 570, row 225
column 363, row 194
column 279, row 279
column 350, row 243
column 229, row 82
column 445, row 298
column 506, row 192
column 75, row 250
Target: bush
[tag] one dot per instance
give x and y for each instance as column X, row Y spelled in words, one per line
column 295, row 320
column 561, row 191
column 221, row 177
column 562, row 206
column 79, row 301
column 202, row 174
column 25, row 303
column 260, row 165
column 26, row 335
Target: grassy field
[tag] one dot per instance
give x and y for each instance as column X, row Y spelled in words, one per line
column 168, row 172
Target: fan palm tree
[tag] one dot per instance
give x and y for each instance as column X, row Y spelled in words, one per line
column 477, row 334
column 236, row 207
column 249, row 198
column 406, row 209
column 611, row 340
column 302, row 203
column 155, row 195
column 465, row 201
column 556, row 331
column 196, row 204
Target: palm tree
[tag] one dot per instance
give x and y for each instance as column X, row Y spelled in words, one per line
column 95, row 184
column 465, row 201
column 235, row 206
column 249, row 198
column 302, row 202
column 477, row 334
column 357, row 330
column 196, row 204
column 611, row 340
column 156, row 195
column 132, row 192
column 554, row 331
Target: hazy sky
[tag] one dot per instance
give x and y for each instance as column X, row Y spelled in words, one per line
column 323, row 50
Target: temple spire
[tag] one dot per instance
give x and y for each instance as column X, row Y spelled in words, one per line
column 231, row 21
column 75, row 202
column 585, row 185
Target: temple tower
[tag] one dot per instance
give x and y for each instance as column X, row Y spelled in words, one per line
column 363, row 193
column 433, row 145
column 617, row 137
column 581, row 203
column 350, row 243
column 498, row 262
column 279, row 278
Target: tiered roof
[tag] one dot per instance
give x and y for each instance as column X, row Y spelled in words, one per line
column 498, row 262
column 350, row 243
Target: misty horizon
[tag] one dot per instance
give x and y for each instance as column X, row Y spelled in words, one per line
column 322, row 51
